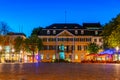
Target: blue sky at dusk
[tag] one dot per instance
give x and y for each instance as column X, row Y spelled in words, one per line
column 28, row 14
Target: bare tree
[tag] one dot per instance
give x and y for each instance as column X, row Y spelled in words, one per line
column 4, row 28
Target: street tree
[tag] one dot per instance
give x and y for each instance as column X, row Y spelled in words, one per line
column 33, row 44
column 19, row 43
column 93, row 48
column 111, row 33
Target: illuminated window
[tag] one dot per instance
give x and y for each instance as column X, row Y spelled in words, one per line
column 47, row 56
column 119, row 57
column 7, row 56
column 62, row 55
column 76, row 56
column 42, row 56
column 53, row 57
column 7, row 49
column 115, row 57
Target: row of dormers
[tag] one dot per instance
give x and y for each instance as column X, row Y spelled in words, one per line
column 75, row 29
column 74, row 32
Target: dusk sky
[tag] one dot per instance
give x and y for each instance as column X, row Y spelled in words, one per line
column 28, row 14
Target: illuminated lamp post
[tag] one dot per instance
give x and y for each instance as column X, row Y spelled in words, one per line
column 0, row 52
column 117, row 48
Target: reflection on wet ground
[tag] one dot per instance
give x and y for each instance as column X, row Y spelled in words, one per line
column 59, row 71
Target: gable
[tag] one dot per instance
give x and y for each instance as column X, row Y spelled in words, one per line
column 65, row 33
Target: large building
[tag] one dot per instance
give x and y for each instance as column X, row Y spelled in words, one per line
column 69, row 41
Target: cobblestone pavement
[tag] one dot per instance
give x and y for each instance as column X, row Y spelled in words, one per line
column 59, row 71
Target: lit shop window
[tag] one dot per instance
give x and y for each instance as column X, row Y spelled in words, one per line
column 53, row 57
column 119, row 57
column 115, row 57
column 42, row 56
column 47, row 57
column 76, row 56
column 7, row 49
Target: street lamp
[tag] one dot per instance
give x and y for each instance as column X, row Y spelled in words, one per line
column 117, row 48
column 0, row 52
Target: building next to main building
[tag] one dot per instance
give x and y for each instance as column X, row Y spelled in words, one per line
column 8, row 53
column 69, row 41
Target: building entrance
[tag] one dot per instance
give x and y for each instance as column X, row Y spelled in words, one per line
column 62, row 53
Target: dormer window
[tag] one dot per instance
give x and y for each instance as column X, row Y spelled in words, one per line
column 65, row 27
column 48, row 31
column 96, row 32
column 76, row 32
column 76, row 27
column 54, row 32
column 54, row 27
column 82, row 31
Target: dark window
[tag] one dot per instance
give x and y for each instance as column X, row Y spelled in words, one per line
column 76, row 39
column 71, row 39
column 100, row 40
column 82, row 39
column 88, row 39
column 85, row 48
column 80, row 47
column 44, row 39
column 95, row 40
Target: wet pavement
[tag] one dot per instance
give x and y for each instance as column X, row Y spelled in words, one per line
column 59, row 71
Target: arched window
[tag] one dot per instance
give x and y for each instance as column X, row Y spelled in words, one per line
column 54, row 32
column 76, row 31
column 48, row 31
column 82, row 31
column 96, row 32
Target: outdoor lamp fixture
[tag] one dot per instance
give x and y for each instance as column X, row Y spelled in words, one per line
column 117, row 48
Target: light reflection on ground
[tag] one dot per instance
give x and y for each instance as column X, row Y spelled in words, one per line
column 59, row 71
